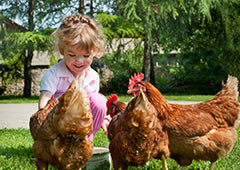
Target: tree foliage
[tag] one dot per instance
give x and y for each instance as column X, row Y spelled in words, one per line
column 115, row 26
column 209, row 48
column 14, row 49
column 31, row 13
column 206, row 32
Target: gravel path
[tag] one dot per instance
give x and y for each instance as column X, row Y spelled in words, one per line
column 14, row 116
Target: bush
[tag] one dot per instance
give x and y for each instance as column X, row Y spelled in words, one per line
column 123, row 64
column 129, row 61
column 2, row 90
column 117, row 84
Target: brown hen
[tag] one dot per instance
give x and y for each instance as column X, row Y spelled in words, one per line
column 203, row 131
column 136, row 135
column 60, row 130
column 114, row 106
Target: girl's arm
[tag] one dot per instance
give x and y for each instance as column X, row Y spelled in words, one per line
column 43, row 99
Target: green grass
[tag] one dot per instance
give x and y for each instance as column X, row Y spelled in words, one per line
column 16, row 153
column 127, row 98
column 123, row 98
column 15, row 149
column 18, row 99
column 189, row 97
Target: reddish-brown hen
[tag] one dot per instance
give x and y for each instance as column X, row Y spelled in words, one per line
column 114, row 106
column 136, row 135
column 60, row 130
column 203, row 131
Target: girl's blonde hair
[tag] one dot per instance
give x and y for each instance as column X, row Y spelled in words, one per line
column 81, row 32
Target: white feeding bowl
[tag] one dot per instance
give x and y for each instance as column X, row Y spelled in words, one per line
column 100, row 160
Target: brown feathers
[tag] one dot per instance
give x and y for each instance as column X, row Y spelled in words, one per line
column 60, row 130
column 203, row 131
column 136, row 135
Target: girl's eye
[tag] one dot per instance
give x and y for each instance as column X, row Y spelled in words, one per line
column 86, row 56
column 71, row 55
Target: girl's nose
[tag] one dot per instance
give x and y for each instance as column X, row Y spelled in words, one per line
column 79, row 59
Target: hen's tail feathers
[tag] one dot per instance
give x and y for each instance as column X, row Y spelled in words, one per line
column 231, row 85
column 231, row 89
column 237, row 122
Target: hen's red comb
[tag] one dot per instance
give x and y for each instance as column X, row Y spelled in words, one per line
column 134, row 79
column 111, row 98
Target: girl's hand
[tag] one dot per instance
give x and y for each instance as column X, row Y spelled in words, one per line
column 105, row 125
column 43, row 99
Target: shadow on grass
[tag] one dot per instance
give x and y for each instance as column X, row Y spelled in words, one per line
column 19, row 152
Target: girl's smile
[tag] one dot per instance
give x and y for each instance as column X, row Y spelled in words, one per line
column 78, row 66
column 76, row 60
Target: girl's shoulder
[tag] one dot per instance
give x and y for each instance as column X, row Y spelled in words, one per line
column 58, row 66
column 93, row 73
column 59, row 69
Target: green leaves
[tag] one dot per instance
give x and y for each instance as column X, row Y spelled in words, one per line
column 14, row 49
column 131, row 12
column 117, row 27
column 21, row 40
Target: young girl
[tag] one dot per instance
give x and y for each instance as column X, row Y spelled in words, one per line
column 78, row 41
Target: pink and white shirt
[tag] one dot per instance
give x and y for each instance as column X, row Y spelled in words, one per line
column 58, row 78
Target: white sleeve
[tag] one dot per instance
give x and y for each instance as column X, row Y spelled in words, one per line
column 49, row 81
column 91, row 83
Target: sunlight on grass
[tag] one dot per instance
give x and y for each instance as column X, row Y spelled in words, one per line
column 123, row 98
column 16, row 153
column 189, row 97
column 16, row 149
column 18, row 99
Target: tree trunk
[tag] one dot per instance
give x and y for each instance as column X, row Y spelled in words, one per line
column 152, row 74
column 28, row 58
column 91, row 8
column 27, row 72
column 81, row 7
column 147, row 58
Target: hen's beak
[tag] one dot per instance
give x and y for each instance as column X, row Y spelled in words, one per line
column 130, row 91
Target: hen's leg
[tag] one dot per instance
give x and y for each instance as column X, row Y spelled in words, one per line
column 41, row 154
column 164, row 161
column 212, row 165
column 41, row 165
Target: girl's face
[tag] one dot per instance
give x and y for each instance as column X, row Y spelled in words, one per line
column 76, row 60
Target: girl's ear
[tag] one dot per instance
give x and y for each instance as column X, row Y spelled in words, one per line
column 61, row 50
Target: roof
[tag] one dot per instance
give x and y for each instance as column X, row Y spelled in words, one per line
column 11, row 25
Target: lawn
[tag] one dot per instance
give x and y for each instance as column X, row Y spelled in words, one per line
column 123, row 98
column 16, row 153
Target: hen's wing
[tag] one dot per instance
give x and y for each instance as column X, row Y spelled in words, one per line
column 224, row 107
column 115, row 109
column 204, row 131
column 38, row 126
column 116, row 125
column 220, row 112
